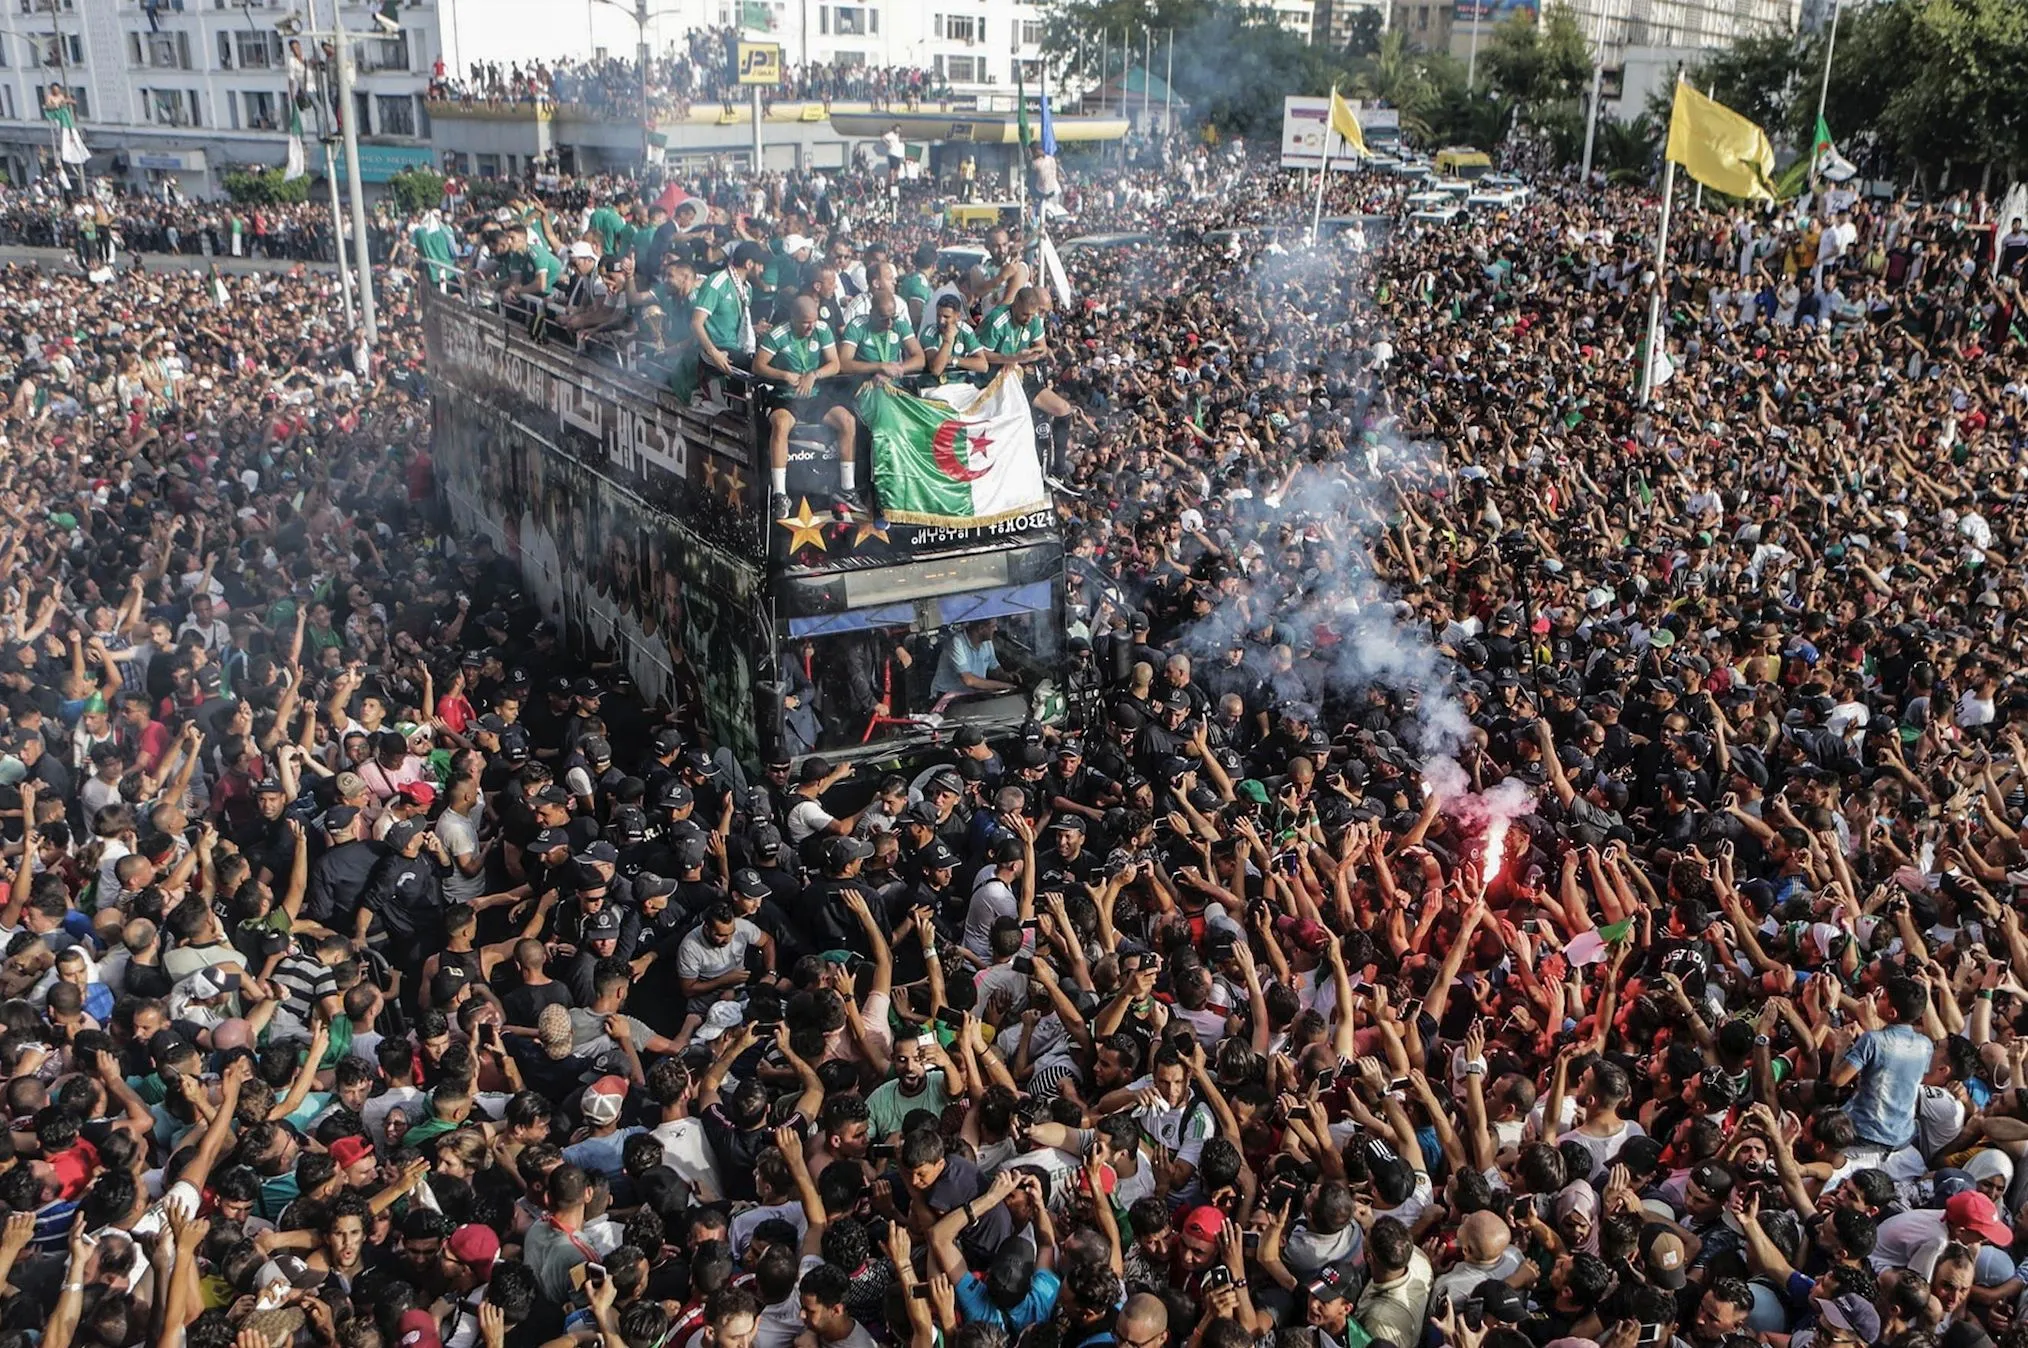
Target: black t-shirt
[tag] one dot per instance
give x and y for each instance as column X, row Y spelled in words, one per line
column 737, row 1149
column 523, row 1005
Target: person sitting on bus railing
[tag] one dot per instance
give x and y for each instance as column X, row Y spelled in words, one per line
column 882, row 343
column 1013, row 336
column 664, row 307
column 597, row 303
column 954, row 354
column 722, row 321
column 795, row 356
column 969, row 666
column 528, row 270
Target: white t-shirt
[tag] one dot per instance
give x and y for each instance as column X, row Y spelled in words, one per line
column 805, row 818
column 460, row 835
column 698, row 959
column 1603, row 1149
column 991, row 901
column 686, row 1151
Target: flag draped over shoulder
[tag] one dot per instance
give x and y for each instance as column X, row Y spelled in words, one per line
column 1720, row 148
column 1830, row 165
column 294, row 166
column 960, row 457
column 71, row 148
column 1346, row 123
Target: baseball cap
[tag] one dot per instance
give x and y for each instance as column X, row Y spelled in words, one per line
column 268, row 786
column 339, row 817
column 602, row 925
column 1852, row 1313
column 349, row 1151
column 1329, row 1286
column 1664, row 1260
column 548, row 840
column 350, row 783
column 475, row 1246
column 843, row 850
column 597, row 748
column 1203, row 1223
column 1498, row 1301
column 603, row 1098
column 748, row 884
column 552, row 1031
column 648, row 885
column 1977, row 1212
column 406, row 831
column 938, row 857
column 288, row 1270
column 418, row 1329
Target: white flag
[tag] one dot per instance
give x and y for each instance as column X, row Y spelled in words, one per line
column 293, row 167
column 1052, row 267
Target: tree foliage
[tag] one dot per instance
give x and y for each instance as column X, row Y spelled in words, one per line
column 1914, row 84
column 1539, row 66
column 416, row 190
column 265, row 187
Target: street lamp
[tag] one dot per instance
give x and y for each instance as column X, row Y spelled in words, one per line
column 340, row 40
column 642, row 17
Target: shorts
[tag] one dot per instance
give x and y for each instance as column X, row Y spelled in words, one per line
column 776, row 397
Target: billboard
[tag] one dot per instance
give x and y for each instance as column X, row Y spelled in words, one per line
column 1495, row 11
column 760, row 63
column 1305, row 125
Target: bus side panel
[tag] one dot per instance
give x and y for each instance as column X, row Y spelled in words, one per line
column 614, row 571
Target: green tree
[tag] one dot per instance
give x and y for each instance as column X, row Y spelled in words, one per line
column 1538, row 66
column 1400, row 77
column 1968, row 100
column 416, row 190
column 1365, row 37
column 265, row 187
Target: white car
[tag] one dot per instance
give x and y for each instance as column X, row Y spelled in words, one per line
column 1449, row 212
column 1497, row 198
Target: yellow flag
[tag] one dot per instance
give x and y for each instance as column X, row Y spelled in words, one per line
column 1346, row 124
column 1720, row 148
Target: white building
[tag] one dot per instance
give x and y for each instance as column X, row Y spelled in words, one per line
column 971, row 44
column 1637, row 27
column 184, row 91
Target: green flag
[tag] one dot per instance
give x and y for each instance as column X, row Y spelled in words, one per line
column 1021, row 107
column 1825, row 160
column 961, row 457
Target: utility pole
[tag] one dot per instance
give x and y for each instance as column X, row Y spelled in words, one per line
column 642, row 17
column 1597, row 85
column 1823, row 94
column 348, row 124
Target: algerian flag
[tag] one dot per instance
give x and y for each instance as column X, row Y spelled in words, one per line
column 219, row 294
column 961, row 457
column 1830, row 165
column 1021, row 108
column 71, row 148
column 293, row 167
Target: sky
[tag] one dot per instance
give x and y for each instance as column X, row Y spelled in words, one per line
column 510, row 30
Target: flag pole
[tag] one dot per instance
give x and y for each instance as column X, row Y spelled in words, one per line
column 1823, row 94
column 1698, row 204
column 1647, row 384
column 1323, row 171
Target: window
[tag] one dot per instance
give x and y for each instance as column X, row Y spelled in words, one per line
column 362, row 109
column 169, row 107
column 3, row 52
column 1031, row 71
column 849, row 60
column 854, row 21
column 1422, row 19
column 241, row 50
column 960, row 69
column 386, row 53
column 1031, row 33
column 823, row 18
column 396, row 114
column 159, row 51
column 489, row 166
column 960, row 28
column 48, row 6
column 263, row 110
column 56, row 50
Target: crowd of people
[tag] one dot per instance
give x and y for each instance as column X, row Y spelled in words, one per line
column 1522, row 869
column 703, row 71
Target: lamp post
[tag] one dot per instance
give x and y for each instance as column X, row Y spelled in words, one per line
column 642, row 17
column 340, row 42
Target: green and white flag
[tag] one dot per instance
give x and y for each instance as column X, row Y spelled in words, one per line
column 70, row 146
column 1829, row 164
column 294, row 166
column 960, row 457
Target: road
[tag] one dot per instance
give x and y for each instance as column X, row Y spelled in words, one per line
column 64, row 259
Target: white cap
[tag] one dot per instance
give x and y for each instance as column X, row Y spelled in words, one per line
column 796, row 243
column 583, row 249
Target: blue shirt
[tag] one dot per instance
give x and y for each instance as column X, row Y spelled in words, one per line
column 961, row 657
column 974, row 1304
column 1891, row 1063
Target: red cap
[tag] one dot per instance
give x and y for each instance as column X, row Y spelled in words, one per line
column 1204, row 1223
column 475, row 1246
column 349, row 1151
column 1307, row 933
column 418, row 793
column 1974, row 1210
column 417, row 1329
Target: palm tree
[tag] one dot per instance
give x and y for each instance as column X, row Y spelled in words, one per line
column 1626, row 150
column 1395, row 75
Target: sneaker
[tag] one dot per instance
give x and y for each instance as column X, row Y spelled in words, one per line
column 851, row 499
column 779, row 505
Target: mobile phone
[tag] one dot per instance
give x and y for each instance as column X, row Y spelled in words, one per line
column 881, row 1151
column 1023, row 964
column 1439, row 1305
column 926, row 1041
column 1033, row 924
column 946, row 1016
column 1250, row 1239
column 920, row 1291
column 1218, row 1275
column 1649, row 1334
column 1397, row 1085
column 594, row 1273
column 1533, row 926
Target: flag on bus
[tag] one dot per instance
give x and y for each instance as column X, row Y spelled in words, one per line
column 958, row 456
